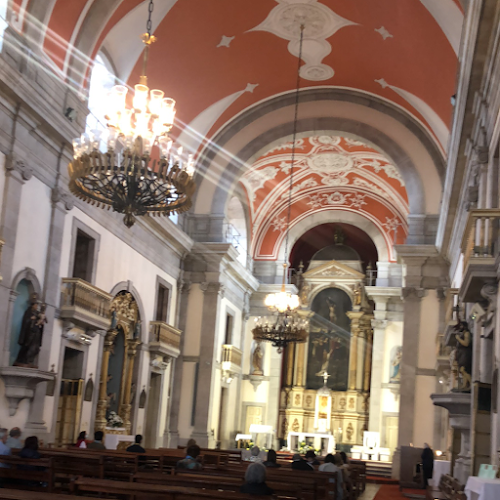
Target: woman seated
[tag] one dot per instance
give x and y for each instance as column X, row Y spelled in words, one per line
column 271, row 459
column 255, row 481
column 81, row 442
column 191, row 462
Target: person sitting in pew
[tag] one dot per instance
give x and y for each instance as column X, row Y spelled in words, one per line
column 30, row 450
column 271, row 459
column 4, row 449
column 255, row 481
column 81, row 442
column 332, row 464
column 136, row 447
column 311, row 457
column 13, row 442
column 191, row 462
column 254, row 455
column 300, row 464
column 97, row 443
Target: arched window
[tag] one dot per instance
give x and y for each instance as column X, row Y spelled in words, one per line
column 237, row 229
column 102, row 78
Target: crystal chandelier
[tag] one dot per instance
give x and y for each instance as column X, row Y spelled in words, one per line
column 285, row 325
column 126, row 178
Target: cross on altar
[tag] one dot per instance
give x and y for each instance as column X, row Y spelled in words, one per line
column 325, row 376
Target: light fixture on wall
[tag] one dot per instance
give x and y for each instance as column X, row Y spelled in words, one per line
column 285, row 325
column 126, row 178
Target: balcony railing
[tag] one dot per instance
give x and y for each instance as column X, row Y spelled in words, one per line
column 85, row 304
column 164, row 338
column 231, row 358
column 481, row 234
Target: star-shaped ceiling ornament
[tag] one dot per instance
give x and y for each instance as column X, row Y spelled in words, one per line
column 382, row 83
column 251, row 87
column 384, row 33
column 225, row 41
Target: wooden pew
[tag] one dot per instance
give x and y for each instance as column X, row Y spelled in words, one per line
column 206, row 481
column 144, row 491
column 41, row 478
column 12, row 494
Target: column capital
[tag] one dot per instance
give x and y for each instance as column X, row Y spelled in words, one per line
column 412, row 293
column 184, row 286
column 379, row 324
column 213, row 287
column 66, row 199
column 18, row 168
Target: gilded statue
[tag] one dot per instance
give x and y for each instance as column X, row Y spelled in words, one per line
column 257, row 360
column 31, row 334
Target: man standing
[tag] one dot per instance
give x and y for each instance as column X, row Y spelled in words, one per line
column 13, row 442
column 4, row 449
column 137, row 448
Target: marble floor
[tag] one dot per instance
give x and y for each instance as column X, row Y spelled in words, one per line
column 370, row 492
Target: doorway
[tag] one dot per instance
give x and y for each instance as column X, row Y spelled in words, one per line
column 69, row 407
column 390, row 430
column 153, row 410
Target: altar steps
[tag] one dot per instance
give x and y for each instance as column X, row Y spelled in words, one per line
column 378, row 469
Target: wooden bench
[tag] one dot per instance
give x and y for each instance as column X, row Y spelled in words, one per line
column 144, row 491
column 25, row 473
column 11, row 494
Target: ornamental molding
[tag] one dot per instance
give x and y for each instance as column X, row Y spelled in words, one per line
column 13, row 165
column 412, row 293
column 58, row 195
column 320, row 23
column 379, row 324
column 213, row 287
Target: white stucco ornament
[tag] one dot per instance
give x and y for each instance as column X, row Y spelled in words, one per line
column 320, row 24
column 330, row 162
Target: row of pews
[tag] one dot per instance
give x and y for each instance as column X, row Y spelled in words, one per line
column 451, row 489
column 127, row 476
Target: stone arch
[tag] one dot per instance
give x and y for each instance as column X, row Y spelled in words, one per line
column 325, row 286
column 406, row 142
column 27, row 274
column 241, row 196
column 318, row 218
column 129, row 287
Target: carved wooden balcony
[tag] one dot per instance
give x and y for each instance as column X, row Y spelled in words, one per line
column 231, row 359
column 479, row 248
column 84, row 304
column 164, row 340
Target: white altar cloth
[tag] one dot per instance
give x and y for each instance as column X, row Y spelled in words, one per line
column 440, row 467
column 294, row 438
column 111, row 440
column 478, row 488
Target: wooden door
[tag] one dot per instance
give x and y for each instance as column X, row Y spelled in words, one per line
column 253, row 416
column 69, row 411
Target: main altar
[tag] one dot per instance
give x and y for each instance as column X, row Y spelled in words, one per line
column 339, row 348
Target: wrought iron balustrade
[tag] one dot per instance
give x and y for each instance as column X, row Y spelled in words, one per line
column 85, row 304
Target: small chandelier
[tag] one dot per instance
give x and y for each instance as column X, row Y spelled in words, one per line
column 126, row 178
column 285, row 325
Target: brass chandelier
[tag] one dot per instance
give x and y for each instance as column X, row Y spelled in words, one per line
column 126, row 178
column 285, row 325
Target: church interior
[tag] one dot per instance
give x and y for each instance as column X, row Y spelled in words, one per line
column 288, row 242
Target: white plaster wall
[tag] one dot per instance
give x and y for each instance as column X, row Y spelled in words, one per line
column 186, row 403
column 193, row 322
column 21, row 416
column 33, row 229
column 2, row 181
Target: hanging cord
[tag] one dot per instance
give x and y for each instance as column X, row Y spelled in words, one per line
column 285, row 263
column 148, row 39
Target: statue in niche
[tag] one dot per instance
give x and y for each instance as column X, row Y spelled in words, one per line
column 463, row 354
column 30, row 337
column 349, row 431
column 257, row 360
column 357, row 295
column 396, row 366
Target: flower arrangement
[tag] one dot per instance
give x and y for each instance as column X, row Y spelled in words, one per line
column 304, row 448
column 114, row 420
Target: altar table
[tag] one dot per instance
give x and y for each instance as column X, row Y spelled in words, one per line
column 478, row 488
column 441, row 467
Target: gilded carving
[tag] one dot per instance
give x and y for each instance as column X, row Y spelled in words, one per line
column 295, row 426
column 351, row 402
column 297, row 399
column 349, row 431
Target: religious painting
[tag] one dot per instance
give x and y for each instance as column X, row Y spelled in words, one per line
column 395, row 368
column 329, row 340
column 115, row 371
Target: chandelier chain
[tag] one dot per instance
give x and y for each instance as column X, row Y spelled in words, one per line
column 295, row 119
column 149, row 24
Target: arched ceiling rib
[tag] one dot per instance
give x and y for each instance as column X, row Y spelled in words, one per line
column 208, row 50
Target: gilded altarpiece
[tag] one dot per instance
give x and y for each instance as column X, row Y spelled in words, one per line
column 340, row 344
column 120, row 348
